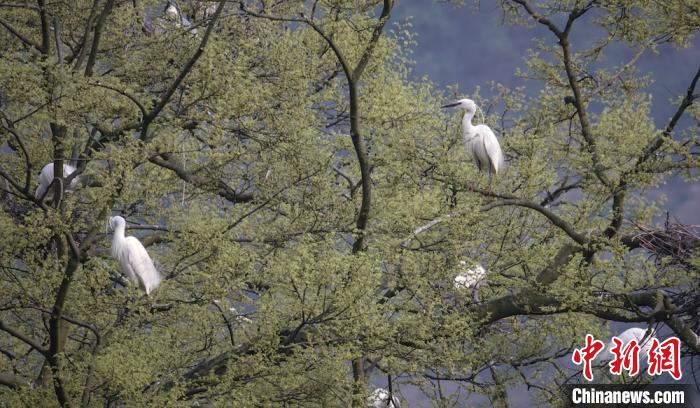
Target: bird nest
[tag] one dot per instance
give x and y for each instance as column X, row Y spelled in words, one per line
column 674, row 242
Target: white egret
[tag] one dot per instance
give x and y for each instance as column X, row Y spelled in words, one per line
column 172, row 13
column 133, row 257
column 46, row 177
column 479, row 140
column 381, row 398
column 470, row 277
column 634, row 333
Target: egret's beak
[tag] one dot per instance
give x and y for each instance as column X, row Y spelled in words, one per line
column 450, row 105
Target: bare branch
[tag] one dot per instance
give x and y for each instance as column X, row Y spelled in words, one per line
column 220, row 187
column 97, row 36
column 19, row 36
column 426, row 227
column 27, row 161
column 539, row 18
column 621, row 71
column 23, row 337
column 43, row 15
column 126, row 94
column 83, row 42
column 367, row 54
column 13, row 381
column 578, row 101
column 19, row 5
column 659, row 141
column 57, row 38
column 555, row 219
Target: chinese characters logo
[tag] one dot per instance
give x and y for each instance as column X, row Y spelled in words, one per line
column 661, row 356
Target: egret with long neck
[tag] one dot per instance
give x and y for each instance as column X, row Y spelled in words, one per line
column 479, row 140
column 133, row 257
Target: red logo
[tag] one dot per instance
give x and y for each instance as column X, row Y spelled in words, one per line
column 626, row 358
column 665, row 357
column 661, row 357
column 587, row 354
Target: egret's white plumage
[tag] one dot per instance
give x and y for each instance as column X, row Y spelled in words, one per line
column 479, row 140
column 381, row 398
column 172, row 13
column 46, row 177
column 469, row 277
column 133, row 257
column 634, row 333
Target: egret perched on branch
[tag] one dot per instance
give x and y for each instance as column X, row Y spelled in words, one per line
column 479, row 140
column 46, row 177
column 172, row 13
column 133, row 258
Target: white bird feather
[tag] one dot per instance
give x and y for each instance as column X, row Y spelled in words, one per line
column 479, row 141
column 133, row 257
column 46, row 177
column 379, row 398
column 470, row 277
column 633, row 333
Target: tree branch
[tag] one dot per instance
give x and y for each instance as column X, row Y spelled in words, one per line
column 27, row 162
column 659, row 141
column 97, row 36
column 185, row 70
column 367, row 54
column 45, row 41
column 83, row 42
column 56, row 335
column 555, row 219
column 219, row 187
column 13, row 381
column 540, row 19
column 126, row 94
column 19, row 36
column 57, row 38
column 573, row 83
column 23, row 337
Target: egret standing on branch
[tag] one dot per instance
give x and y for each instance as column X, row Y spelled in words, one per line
column 133, row 258
column 479, row 140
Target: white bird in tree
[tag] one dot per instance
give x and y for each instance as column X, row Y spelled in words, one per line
column 470, row 277
column 133, row 257
column 172, row 13
column 46, row 177
column 479, row 140
column 381, row 398
column 634, row 333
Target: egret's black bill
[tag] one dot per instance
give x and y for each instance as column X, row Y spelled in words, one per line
column 450, row 105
